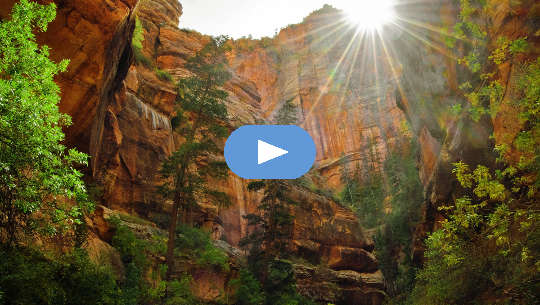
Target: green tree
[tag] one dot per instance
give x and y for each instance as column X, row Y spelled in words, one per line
column 200, row 117
column 269, row 246
column 273, row 224
column 487, row 247
column 394, row 239
column 365, row 196
column 288, row 113
column 248, row 289
column 37, row 174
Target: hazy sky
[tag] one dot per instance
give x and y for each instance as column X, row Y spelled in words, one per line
column 238, row 18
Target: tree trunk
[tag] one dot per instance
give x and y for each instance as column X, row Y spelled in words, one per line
column 172, row 235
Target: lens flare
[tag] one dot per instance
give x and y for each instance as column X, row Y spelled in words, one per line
column 370, row 14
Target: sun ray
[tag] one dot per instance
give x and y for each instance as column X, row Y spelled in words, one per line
column 431, row 28
column 440, row 49
column 329, row 79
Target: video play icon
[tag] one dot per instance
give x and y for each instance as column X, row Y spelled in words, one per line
column 270, row 152
column 267, row 152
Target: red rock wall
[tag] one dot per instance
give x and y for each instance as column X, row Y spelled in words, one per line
column 121, row 112
column 344, row 92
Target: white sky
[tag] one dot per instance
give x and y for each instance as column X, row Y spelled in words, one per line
column 238, row 18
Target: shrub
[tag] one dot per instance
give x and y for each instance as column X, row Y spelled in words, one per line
column 365, row 198
column 164, row 75
column 197, row 244
column 65, row 280
column 248, row 289
column 138, row 35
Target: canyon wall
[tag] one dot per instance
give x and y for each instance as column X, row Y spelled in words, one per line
column 342, row 84
column 122, row 113
column 429, row 85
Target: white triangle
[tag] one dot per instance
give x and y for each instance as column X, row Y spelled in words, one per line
column 267, row 152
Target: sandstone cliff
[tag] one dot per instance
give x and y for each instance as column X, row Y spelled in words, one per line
column 121, row 113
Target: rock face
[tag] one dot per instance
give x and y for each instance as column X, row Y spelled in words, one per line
column 122, row 110
column 342, row 86
column 320, row 284
column 92, row 34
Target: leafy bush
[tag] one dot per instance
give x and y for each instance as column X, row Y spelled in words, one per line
column 27, row 276
column 164, row 75
column 365, row 198
column 137, row 46
column 488, row 247
column 248, row 289
column 197, row 244
column 280, row 285
column 393, row 240
column 180, row 292
column 37, row 172
column 133, row 253
column 138, row 35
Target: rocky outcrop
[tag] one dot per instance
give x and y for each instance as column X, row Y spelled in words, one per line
column 339, row 287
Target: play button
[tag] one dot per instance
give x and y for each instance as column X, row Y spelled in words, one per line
column 270, row 152
column 267, row 152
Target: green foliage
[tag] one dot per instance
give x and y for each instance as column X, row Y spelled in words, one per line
column 133, row 253
column 487, row 247
column 393, row 240
column 180, row 292
column 365, row 196
column 280, row 285
column 137, row 46
column 269, row 242
column 138, row 35
column 288, row 113
column 200, row 115
column 482, row 92
column 37, row 174
column 528, row 140
column 273, row 224
column 248, row 289
column 164, row 75
column 27, row 276
column 143, row 282
column 196, row 244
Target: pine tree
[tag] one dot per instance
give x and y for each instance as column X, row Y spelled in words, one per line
column 37, row 174
column 272, row 226
column 269, row 244
column 200, row 117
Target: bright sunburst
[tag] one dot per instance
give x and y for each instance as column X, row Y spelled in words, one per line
column 370, row 14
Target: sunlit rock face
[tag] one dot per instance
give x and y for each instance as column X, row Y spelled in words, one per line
column 341, row 82
column 92, row 35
